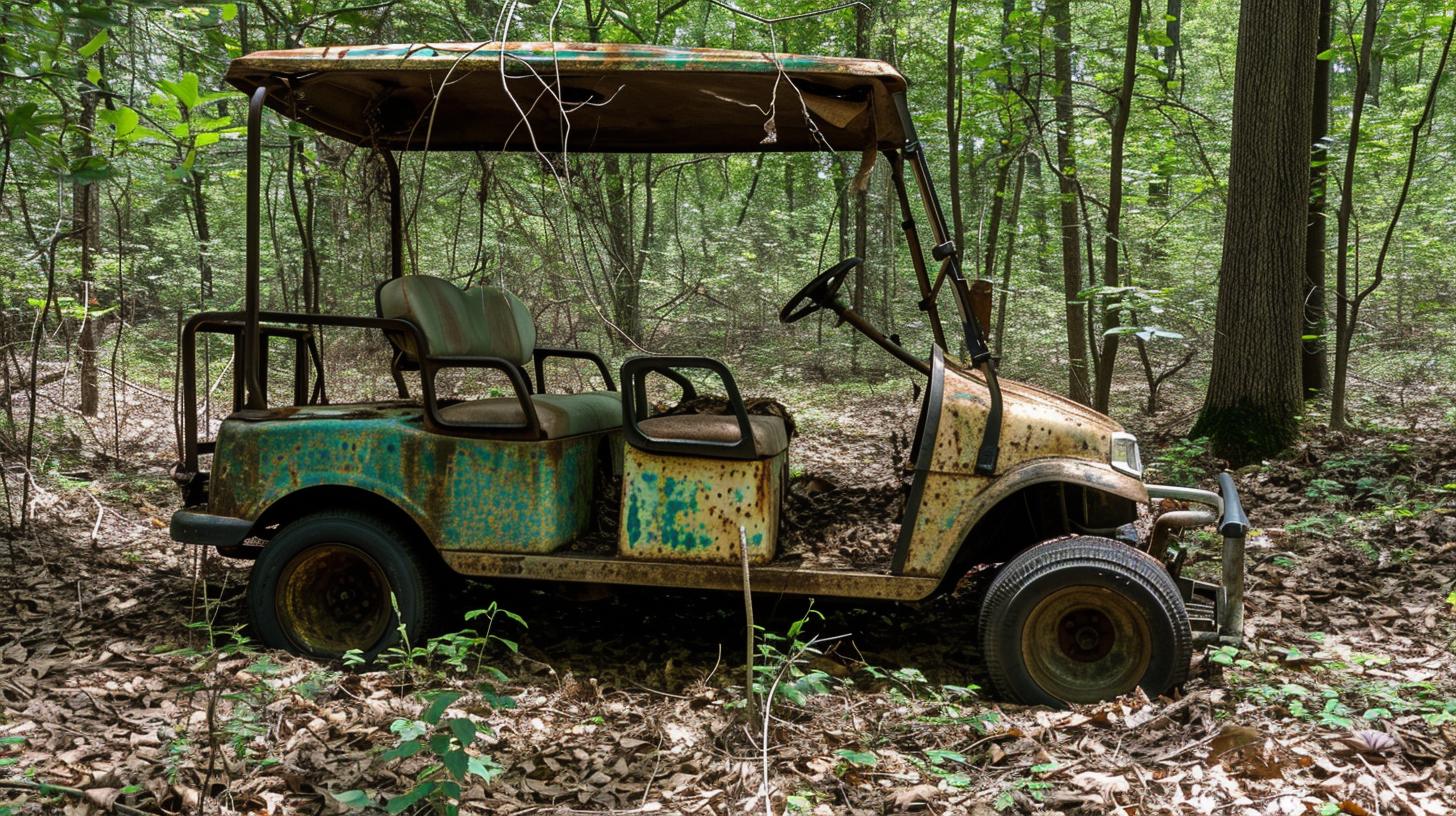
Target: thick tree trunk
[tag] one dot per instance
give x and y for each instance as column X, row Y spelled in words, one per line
column 953, row 125
column 1254, row 395
column 1314, row 368
column 1077, row 385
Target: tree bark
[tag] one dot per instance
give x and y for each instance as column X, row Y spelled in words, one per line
column 1344, row 326
column 1112, row 242
column 1254, row 395
column 1077, row 385
column 86, row 225
column 1314, row 368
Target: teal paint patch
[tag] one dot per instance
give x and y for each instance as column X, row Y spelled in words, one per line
column 680, row 508
column 466, row 494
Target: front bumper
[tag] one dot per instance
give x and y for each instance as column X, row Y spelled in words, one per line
column 1227, row 512
column 205, row 529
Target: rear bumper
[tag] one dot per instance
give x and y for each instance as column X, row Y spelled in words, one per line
column 1226, row 511
column 208, row 530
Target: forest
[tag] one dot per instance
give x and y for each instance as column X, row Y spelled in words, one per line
column 1215, row 236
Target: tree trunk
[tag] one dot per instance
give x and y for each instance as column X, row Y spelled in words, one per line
column 1314, row 368
column 1254, row 395
column 1343, row 325
column 953, row 125
column 1077, row 386
column 1010, row 253
column 86, row 225
column 1112, row 243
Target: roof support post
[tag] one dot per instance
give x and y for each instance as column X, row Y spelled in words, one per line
column 917, row 253
column 949, row 255
column 396, row 217
column 252, row 345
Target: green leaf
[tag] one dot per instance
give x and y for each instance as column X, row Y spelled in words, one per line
column 399, row 803
column 354, row 799
column 403, row 750
column 438, row 704
column 89, row 169
column 123, row 120
column 228, row 11
column 859, row 759
column 184, row 90
column 205, row 139
column 93, row 45
column 456, row 763
column 93, row 75
column 1325, row 55
column 463, row 729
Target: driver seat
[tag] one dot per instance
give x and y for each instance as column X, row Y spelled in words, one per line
column 491, row 322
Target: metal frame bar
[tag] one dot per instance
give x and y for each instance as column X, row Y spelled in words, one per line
column 948, row 254
column 256, row 398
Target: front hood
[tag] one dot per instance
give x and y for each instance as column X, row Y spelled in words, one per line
column 1035, row 424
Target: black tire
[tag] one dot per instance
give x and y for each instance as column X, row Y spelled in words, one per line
column 1081, row 620
column 322, row 586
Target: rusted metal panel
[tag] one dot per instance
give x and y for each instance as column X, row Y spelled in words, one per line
column 616, row 98
column 1044, row 438
column 689, row 508
column 524, row 58
column 465, row 493
column 771, row 579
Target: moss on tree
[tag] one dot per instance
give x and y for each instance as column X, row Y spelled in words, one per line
column 1244, row 433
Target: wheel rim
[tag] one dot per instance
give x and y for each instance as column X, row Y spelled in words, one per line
column 1082, row 644
column 332, row 598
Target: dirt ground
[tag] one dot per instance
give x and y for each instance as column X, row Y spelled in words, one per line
column 125, row 674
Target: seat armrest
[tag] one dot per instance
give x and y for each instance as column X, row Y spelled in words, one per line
column 634, row 407
column 542, row 353
column 429, row 366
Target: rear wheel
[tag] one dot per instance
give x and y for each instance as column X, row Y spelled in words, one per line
column 330, row 582
column 1082, row 620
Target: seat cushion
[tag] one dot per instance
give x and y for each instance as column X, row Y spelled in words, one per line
column 560, row 414
column 482, row 321
column 770, row 438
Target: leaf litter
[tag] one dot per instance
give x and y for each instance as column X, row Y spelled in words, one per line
column 1341, row 701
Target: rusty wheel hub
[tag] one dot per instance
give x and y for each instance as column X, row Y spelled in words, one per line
column 333, row 598
column 1086, row 643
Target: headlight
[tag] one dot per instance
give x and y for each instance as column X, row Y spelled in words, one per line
column 1125, row 457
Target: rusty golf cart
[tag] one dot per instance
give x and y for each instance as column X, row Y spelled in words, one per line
column 344, row 505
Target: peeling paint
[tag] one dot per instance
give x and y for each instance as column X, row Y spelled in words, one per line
column 465, row 493
column 687, row 508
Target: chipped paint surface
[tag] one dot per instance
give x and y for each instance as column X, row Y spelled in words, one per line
column 688, row 508
column 786, row 580
column 466, row 494
column 1044, row 438
column 523, row 58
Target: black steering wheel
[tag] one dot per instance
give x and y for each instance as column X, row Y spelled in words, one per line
column 819, row 292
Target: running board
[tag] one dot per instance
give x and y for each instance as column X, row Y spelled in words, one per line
column 600, row 569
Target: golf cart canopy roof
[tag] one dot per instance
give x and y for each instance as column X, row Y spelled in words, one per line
column 581, row 97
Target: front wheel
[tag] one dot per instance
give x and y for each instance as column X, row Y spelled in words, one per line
column 1082, row 620
column 330, row 582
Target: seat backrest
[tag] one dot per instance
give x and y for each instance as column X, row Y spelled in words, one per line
column 482, row 321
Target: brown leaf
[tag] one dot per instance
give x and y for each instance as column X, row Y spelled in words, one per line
column 915, row 798
column 1370, row 742
column 1232, row 738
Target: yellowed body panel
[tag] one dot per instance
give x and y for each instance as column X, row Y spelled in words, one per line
column 689, row 508
column 1044, row 438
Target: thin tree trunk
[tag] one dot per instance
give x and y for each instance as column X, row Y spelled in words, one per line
column 1077, row 385
column 1112, row 243
column 1009, row 254
column 1343, row 325
column 1314, row 365
column 1342, row 348
column 86, row 224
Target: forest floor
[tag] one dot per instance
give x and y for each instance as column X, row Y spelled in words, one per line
column 125, row 674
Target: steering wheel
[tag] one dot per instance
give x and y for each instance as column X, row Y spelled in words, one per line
column 819, row 292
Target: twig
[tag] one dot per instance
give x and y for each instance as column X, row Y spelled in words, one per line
column 43, row 787
column 751, row 705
